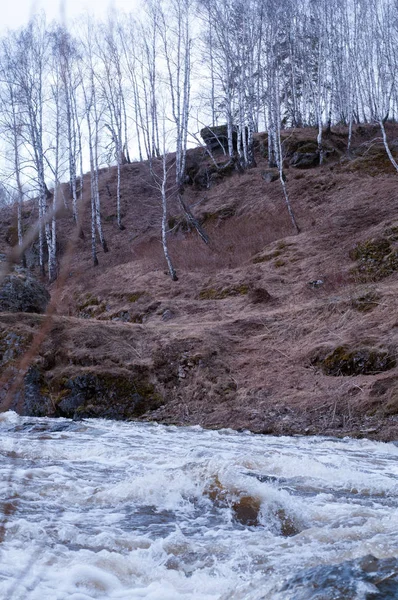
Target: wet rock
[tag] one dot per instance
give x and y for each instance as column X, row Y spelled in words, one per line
column 22, row 293
column 111, row 396
column 355, row 361
column 37, row 401
column 376, row 578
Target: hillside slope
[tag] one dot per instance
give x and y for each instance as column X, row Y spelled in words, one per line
column 264, row 330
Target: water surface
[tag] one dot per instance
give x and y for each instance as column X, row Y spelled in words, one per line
column 113, row 510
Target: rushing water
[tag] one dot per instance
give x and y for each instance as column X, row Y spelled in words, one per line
column 111, row 510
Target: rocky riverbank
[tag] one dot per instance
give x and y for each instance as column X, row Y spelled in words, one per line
column 264, row 330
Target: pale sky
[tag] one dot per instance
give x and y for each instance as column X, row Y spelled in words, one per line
column 14, row 13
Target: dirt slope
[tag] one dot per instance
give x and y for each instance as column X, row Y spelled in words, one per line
column 264, row 330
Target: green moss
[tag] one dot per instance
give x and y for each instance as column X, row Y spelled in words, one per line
column 376, row 259
column 267, row 257
column 226, row 212
column 291, row 144
column 134, row 296
column 374, row 162
column 358, row 361
column 222, row 293
column 308, row 147
column 279, row 263
column 89, row 306
column 87, row 300
column 108, row 395
column 392, row 233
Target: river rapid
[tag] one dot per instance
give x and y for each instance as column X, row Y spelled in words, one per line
column 116, row 510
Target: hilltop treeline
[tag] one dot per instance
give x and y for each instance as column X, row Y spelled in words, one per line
column 142, row 84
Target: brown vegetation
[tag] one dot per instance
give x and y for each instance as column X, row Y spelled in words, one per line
column 242, row 338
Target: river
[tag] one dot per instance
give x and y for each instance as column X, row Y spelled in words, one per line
column 122, row 510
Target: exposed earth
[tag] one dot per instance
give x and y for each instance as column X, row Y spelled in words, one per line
column 264, row 330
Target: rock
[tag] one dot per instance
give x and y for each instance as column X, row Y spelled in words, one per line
column 37, row 402
column 304, row 160
column 270, row 175
column 316, row 283
column 216, row 137
column 259, row 296
column 376, row 259
column 377, row 577
column 356, row 361
column 12, row 345
column 110, row 396
column 168, row 314
column 22, row 293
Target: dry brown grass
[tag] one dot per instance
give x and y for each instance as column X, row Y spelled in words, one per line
column 256, row 370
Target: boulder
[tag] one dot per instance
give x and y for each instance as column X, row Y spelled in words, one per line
column 216, row 137
column 108, row 395
column 270, row 175
column 355, row 361
column 19, row 292
column 304, row 160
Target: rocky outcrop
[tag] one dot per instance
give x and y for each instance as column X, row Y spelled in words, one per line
column 216, row 137
column 19, row 292
column 355, row 361
column 107, row 395
column 304, row 160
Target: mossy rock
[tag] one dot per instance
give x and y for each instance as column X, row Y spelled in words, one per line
column 108, row 395
column 376, row 259
column 219, row 215
column 356, row 361
column 12, row 346
column 19, row 292
column 89, row 306
column 207, row 176
column 391, row 233
column 375, row 162
column 222, row 293
column 36, row 394
column 291, row 144
column 216, row 137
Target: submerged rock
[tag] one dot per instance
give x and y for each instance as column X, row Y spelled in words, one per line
column 364, row 578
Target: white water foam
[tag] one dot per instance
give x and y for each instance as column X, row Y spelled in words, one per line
column 112, row 510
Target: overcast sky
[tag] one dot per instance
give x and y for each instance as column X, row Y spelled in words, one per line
column 15, row 13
